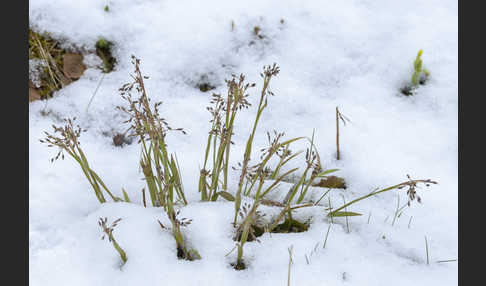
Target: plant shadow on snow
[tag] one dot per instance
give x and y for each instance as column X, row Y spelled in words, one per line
column 256, row 36
column 206, row 82
column 256, row 39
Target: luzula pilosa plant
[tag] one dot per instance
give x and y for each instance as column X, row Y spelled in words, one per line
column 108, row 231
column 163, row 177
column 160, row 169
column 67, row 139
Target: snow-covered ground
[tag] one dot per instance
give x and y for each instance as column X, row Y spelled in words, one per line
column 355, row 54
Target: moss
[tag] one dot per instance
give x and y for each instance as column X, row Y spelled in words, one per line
column 104, row 51
column 256, row 231
column 291, row 225
column 205, row 86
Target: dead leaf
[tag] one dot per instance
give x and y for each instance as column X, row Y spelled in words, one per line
column 73, row 65
column 33, row 94
column 331, row 182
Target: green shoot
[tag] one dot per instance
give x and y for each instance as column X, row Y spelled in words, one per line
column 419, row 74
column 125, row 196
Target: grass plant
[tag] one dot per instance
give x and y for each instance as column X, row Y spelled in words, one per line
column 68, row 141
column 160, row 168
column 108, row 231
column 223, row 111
column 162, row 173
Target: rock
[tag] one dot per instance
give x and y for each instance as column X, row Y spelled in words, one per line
column 73, row 66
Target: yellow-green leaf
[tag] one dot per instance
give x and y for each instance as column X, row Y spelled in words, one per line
column 125, row 196
column 227, row 196
column 322, row 174
column 343, row 214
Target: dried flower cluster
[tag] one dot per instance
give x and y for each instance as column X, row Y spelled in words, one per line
column 68, row 139
column 145, row 121
column 412, row 185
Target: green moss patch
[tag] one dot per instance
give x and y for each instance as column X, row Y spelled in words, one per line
column 291, row 225
column 104, row 51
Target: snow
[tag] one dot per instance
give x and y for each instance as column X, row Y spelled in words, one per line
column 354, row 54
